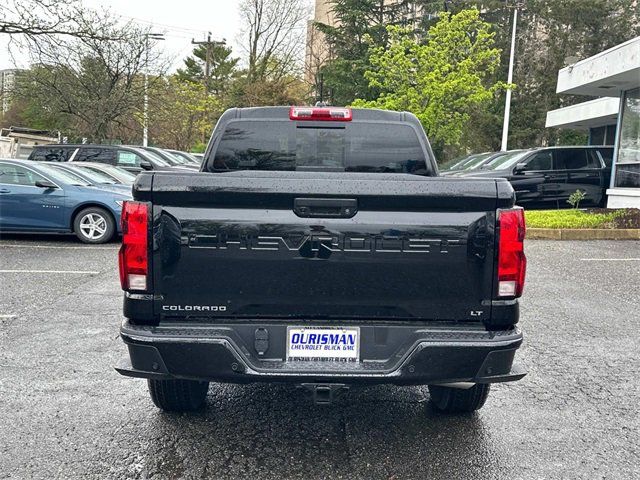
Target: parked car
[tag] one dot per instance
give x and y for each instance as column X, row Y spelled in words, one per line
column 94, row 179
column 174, row 161
column 185, row 161
column 459, row 163
column 478, row 163
column 199, row 157
column 546, row 177
column 117, row 174
column 132, row 159
column 321, row 248
column 188, row 157
column 37, row 197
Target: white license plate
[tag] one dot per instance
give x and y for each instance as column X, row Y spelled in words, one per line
column 332, row 343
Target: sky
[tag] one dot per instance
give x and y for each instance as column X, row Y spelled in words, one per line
column 180, row 21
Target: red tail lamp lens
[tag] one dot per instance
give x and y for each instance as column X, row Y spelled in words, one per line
column 133, row 256
column 512, row 262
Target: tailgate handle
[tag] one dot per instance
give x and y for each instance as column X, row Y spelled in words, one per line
column 325, row 207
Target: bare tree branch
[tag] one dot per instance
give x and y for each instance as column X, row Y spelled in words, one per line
column 274, row 31
column 94, row 82
column 31, row 19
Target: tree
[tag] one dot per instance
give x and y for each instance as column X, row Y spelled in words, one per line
column 32, row 19
column 96, row 84
column 550, row 32
column 484, row 133
column 182, row 113
column 274, row 35
column 222, row 67
column 273, row 32
column 443, row 80
column 25, row 111
column 288, row 90
column 359, row 24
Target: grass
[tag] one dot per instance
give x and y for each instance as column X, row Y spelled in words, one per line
column 569, row 219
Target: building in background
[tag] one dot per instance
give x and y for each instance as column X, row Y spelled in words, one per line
column 317, row 52
column 17, row 142
column 614, row 118
column 598, row 117
column 7, row 85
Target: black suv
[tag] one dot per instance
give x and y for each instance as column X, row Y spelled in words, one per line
column 546, row 177
column 132, row 159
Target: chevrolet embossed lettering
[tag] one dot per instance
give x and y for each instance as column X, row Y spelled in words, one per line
column 315, row 244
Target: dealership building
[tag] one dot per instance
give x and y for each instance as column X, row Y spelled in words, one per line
column 611, row 119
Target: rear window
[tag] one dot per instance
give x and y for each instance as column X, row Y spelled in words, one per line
column 112, row 172
column 101, row 155
column 176, row 157
column 93, row 176
column 574, row 159
column 161, row 154
column 51, row 154
column 155, row 158
column 353, row 147
column 477, row 160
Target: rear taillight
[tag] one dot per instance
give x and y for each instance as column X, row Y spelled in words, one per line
column 332, row 114
column 512, row 263
column 133, row 257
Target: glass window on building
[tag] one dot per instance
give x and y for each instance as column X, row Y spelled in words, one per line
column 597, row 135
column 605, row 135
column 610, row 135
column 628, row 162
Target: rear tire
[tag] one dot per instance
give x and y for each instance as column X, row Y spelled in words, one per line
column 457, row 400
column 178, row 395
column 94, row 225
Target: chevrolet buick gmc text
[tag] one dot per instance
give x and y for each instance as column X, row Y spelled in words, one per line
column 319, row 246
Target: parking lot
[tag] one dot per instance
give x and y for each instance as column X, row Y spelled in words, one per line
column 66, row 413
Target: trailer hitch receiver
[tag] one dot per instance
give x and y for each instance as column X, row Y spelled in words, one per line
column 325, row 393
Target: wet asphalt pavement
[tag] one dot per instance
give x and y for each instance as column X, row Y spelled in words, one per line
column 65, row 413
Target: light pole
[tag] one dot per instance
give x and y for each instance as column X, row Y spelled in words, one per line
column 507, row 102
column 145, row 115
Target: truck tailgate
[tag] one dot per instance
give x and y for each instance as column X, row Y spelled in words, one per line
column 322, row 245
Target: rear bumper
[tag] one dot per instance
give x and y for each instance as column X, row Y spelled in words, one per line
column 398, row 354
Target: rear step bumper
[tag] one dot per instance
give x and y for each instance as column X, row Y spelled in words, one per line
column 421, row 355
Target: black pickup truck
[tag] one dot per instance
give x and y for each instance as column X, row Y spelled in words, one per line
column 318, row 246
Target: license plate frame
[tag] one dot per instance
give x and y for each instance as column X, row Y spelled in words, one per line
column 329, row 344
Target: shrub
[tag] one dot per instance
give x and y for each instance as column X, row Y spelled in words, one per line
column 575, row 198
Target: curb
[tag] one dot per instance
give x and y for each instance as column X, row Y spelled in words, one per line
column 582, row 234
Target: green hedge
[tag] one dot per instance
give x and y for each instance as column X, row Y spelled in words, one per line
column 569, row 219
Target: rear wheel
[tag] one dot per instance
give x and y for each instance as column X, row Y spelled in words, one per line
column 94, row 225
column 178, row 395
column 457, row 400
